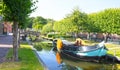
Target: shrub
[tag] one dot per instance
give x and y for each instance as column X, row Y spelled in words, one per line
column 40, row 45
column 58, row 36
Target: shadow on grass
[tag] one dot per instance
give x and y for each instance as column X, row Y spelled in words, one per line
column 27, row 60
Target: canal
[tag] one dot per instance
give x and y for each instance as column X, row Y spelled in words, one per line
column 52, row 60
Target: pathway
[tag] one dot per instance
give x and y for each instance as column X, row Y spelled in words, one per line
column 5, row 44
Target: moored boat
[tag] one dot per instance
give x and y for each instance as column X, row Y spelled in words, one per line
column 95, row 50
column 87, row 53
column 94, row 53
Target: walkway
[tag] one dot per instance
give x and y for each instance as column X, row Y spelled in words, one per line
column 5, row 44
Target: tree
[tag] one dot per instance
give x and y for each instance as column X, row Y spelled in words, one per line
column 65, row 26
column 30, row 22
column 73, row 22
column 47, row 28
column 39, row 22
column 0, row 6
column 92, row 25
column 107, row 20
column 78, row 18
column 17, row 11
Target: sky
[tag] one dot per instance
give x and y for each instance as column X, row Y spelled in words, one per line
column 58, row 9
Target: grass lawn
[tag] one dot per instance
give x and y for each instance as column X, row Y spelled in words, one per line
column 27, row 60
column 113, row 49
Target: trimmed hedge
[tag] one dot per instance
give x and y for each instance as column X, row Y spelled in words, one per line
column 58, row 36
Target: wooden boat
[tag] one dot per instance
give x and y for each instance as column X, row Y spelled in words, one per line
column 95, row 53
column 97, row 50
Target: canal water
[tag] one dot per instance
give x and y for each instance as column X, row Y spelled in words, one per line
column 52, row 60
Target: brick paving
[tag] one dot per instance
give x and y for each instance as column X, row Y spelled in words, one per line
column 5, row 44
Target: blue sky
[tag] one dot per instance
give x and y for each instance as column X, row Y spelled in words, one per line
column 58, row 9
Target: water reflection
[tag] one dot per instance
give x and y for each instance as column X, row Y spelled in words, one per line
column 71, row 64
column 55, row 61
column 58, row 58
column 48, row 60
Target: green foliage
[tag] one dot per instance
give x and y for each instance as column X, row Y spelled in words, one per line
column 30, row 22
column 74, row 22
column 107, row 20
column 40, row 45
column 47, row 28
column 58, row 36
column 38, row 23
column 1, row 5
column 18, row 10
column 27, row 60
column 92, row 25
column 50, row 20
column 64, row 26
column 79, row 19
column 104, row 21
column 51, row 35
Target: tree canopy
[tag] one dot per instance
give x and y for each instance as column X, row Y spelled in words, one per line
column 17, row 12
column 107, row 20
column 73, row 22
column 39, row 22
column 47, row 28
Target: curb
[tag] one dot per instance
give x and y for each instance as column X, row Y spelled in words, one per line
column 35, row 51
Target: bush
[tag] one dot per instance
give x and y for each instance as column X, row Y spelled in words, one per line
column 58, row 36
column 50, row 35
column 40, row 45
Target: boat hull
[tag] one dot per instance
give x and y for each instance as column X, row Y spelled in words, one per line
column 98, row 52
column 72, row 56
column 95, row 50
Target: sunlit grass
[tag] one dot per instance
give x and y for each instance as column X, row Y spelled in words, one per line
column 113, row 49
column 27, row 60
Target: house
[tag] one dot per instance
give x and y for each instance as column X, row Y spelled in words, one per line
column 5, row 28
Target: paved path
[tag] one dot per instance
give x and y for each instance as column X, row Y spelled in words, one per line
column 5, row 44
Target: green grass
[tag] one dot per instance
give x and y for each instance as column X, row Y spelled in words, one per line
column 27, row 60
column 113, row 49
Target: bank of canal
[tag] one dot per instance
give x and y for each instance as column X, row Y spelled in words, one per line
column 49, row 60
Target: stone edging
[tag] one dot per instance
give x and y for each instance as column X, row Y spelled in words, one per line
column 36, row 53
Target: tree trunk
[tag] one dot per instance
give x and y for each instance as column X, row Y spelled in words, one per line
column 15, row 41
column 19, row 37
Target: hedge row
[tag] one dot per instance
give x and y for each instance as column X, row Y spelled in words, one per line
column 58, row 36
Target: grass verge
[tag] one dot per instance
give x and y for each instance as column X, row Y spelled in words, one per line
column 27, row 60
column 113, row 49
